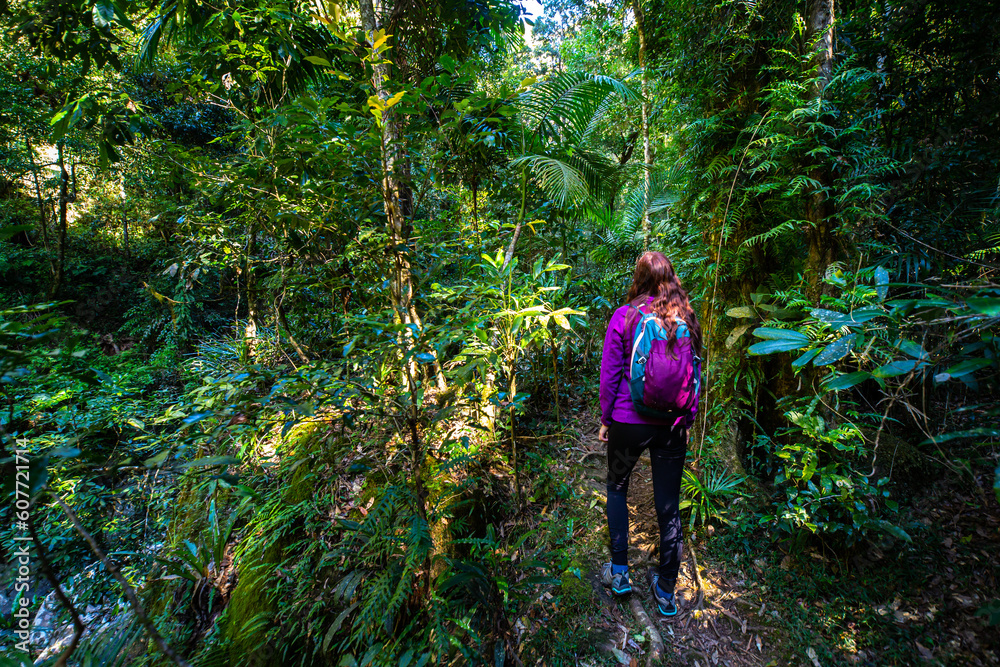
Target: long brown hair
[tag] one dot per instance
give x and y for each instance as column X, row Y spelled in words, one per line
column 655, row 277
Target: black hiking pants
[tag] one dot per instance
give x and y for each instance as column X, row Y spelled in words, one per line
column 667, row 449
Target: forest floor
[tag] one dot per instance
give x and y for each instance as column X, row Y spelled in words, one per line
column 768, row 602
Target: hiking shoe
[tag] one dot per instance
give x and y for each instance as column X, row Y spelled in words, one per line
column 619, row 583
column 666, row 604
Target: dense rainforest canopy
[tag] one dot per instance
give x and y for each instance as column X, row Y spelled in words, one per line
column 302, row 307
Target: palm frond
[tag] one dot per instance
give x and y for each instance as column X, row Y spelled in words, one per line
column 558, row 178
column 564, row 106
column 638, row 201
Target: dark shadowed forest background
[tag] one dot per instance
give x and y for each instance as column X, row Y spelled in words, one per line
column 302, row 307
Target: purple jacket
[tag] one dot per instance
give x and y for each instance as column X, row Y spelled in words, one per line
column 616, row 400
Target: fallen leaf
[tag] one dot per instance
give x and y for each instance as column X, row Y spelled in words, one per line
column 925, row 653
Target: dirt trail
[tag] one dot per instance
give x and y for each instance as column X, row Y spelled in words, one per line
column 729, row 629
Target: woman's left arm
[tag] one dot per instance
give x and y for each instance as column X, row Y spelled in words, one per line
column 612, row 365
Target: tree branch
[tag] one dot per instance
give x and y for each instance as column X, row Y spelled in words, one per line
column 133, row 600
column 49, row 572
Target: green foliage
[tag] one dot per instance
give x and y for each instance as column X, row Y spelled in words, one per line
column 825, row 490
column 197, row 562
column 710, row 496
column 875, row 339
column 289, row 306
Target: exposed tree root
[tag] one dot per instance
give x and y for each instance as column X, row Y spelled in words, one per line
column 655, row 640
column 696, row 575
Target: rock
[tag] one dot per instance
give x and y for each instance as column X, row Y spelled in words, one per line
column 52, row 628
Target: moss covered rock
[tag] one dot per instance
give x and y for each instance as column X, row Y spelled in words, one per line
column 252, row 606
column 251, row 610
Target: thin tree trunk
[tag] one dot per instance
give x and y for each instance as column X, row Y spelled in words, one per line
column 820, row 233
column 512, row 392
column 509, row 255
column 279, row 312
column 63, row 201
column 397, row 200
column 253, row 316
column 121, row 188
column 38, row 195
column 475, row 213
column 647, row 153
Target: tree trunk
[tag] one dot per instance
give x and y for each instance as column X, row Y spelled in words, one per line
column 647, row 153
column 253, row 313
column 282, row 317
column 63, row 223
column 398, row 201
column 121, row 191
column 509, row 255
column 820, row 234
column 38, row 195
column 716, row 413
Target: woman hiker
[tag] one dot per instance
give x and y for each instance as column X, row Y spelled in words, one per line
column 629, row 428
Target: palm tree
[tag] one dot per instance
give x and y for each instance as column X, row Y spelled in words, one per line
column 557, row 117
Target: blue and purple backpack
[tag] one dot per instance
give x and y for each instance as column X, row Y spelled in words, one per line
column 663, row 384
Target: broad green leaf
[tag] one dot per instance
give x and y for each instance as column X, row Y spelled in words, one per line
column 894, row 368
column 316, row 60
column 394, row 99
column 154, row 461
column 64, row 452
column 846, row 381
column 104, row 13
column 335, row 626
column 835, row 351
column 828, row 316
column 773, row 346
column 7, row 232
column 912, row 349
column 741, row 311
column 208, row 461
column 736, row 334
column 961, row 435
column 968, row 366
column 770, row 333
column 894, row 530
column 837, row 320
column 448, row 63
column 986, row 305
column 881, row 283
column 805, row 358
